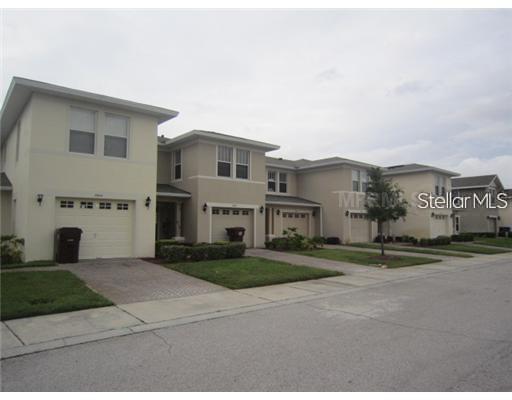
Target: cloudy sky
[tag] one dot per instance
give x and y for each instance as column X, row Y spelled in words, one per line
column 385, row 87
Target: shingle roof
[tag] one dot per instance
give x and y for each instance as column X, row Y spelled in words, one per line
column 169, row 190
column 303, row 163
column 473, row 181
column 278, row 199
column 5, row 183
column 409, row 168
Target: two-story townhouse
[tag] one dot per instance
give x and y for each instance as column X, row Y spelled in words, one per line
column 74, row 158
column 332, row 189
column 211, row 181
column 480, row 217
column 422, row 222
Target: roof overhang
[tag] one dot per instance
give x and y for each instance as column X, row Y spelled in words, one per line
column 21, row 89
column 218, row 137
column 427, row 169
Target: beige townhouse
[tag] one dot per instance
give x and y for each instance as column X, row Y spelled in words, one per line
column 74, row 158
column 428, row 222
column 475, row 217
column 78, row 159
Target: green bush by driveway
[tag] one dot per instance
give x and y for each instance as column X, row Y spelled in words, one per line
column 30, row 264
column 26, row 294
column 202, row 252
column 246, row 272
column 367, row 258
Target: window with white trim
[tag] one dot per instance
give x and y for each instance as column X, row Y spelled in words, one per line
column 242, row 164
column 364, row 181
column 271, row 181
column 225, row 212
column 122, row 206
column 105, row 205
column 356, row 178
column 236, row 212
column 82, row 131
column 86, row 204
column 176, row 159
column 224, row 161
column 440, row 189
column 283, row 182
column 216, row 211
column 116, row 136
column 245, row 212
column 67, row 204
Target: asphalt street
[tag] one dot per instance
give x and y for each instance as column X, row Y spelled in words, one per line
column 450, row 331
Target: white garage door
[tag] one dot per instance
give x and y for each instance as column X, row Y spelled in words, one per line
column 359, row 228
column 296, row 220
column 106, row 225
column 223, row 218
column 439, row 225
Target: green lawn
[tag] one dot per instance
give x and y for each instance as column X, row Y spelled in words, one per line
column 367, row 258
column 246, row 272
column 410, row 249
column 470, row 248
column 30, row 264
column 498, row 242
column 25, row 294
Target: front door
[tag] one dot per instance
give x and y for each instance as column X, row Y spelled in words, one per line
column 165, row 220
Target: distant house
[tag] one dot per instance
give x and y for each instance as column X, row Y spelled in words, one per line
column 478, row 217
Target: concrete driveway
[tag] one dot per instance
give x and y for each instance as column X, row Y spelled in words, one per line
column 133, row 280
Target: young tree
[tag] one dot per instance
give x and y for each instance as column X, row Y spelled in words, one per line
column 384, row 201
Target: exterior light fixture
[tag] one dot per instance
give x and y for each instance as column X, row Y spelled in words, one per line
column 278, row 212
column 347, row 213
column 40, row 199
column 205, row 207
column 433, row 215
column 262, row 209
column 148, row 201
column 313, row 213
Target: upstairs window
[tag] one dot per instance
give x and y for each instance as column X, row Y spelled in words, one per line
column 224, row 161
column 271, row 181
column 283, row 182
column 242, row 164
column 356, row 178
column 116, row 136
column 364, row 181
column 177, row 164
column 440, row 185
column 82, row 131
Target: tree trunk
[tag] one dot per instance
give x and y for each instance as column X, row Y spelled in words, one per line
column 379, row 225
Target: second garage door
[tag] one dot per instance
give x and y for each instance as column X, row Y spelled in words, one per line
column 296, row 220
column 359, row 228
column 223, row 218
column 106, row 224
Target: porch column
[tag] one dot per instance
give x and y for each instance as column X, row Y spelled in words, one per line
column 179, row 233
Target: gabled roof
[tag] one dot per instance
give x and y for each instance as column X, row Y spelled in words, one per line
column 303, row 164
column 163, row 189
column 21, row 90
column 217, row 137
column 289, row 200
column 474, row 181
column 411, row 168
column 5, row 183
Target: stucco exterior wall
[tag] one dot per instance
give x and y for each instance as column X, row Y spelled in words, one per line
column 419, row 222
column 55, row 172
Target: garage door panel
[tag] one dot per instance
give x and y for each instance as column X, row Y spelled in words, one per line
column 296, row 220
column 360, row 229
column 106, row 232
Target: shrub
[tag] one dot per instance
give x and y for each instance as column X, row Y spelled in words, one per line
column 293, row 241
column 202, row 251
column 463, row 237
column 164, row 242
column 387, row 239
column 318, row 241
column 173, row 253
column 438, row 241
column 485, row 234
column 333, row 240
column 11, row 249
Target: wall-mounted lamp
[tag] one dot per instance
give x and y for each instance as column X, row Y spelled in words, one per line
column 262, row 209
column 205, row 207
column 40, row 199
column 313, row 213
column 433, row 215
column 148, row 202
column 347, row 213
column 278, row 212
